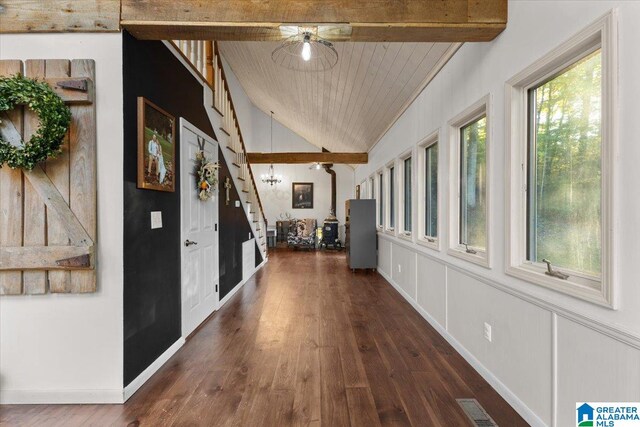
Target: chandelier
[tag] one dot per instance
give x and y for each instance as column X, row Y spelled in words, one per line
column 271, row 178
column 305, row 51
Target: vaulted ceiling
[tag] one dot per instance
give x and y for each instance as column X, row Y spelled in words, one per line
column 348, row 108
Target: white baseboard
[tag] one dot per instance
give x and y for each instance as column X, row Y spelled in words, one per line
column 236, row 288
column 518, row 405
column 19, row 397
column 152, row 369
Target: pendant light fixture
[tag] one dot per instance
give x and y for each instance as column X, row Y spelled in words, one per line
column 271, row 178
column 305, row 51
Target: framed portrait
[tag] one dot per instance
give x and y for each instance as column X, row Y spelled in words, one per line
column 302, row 195
column 156, row 147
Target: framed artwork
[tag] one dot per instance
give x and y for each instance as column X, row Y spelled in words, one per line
column 156, row 147
column 357, row 192
column 302, row 195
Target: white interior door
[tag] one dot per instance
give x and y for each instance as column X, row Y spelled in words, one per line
column 200, row 275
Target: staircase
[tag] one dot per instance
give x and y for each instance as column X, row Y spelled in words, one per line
column 204, row 61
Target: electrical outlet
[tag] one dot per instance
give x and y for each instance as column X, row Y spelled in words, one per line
column 399, row 268
column 237, row 203
column 487, row 331
column 156, row 219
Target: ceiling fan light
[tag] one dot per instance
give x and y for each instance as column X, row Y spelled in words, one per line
column 306, row 50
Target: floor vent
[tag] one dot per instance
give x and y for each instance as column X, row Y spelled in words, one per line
column 476, row 413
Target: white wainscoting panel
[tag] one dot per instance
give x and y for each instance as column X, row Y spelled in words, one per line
column 594, row 368
column 248, row 259
column 404, row 269
column 384, row 256
column 520, row 351
column 432, row 288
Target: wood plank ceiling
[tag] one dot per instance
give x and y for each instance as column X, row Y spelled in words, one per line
column 345, row 109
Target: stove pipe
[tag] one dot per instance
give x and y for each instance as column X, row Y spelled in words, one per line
column 332, row 211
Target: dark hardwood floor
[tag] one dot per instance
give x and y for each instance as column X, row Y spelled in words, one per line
column 305, row 342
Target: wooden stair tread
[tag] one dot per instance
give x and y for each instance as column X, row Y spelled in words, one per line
column 225, row 131
column 235, row 164
column 231, row 149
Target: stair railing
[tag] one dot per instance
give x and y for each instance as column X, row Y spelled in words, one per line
column 205, row 60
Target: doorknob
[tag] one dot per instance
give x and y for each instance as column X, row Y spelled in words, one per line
column 189, row 242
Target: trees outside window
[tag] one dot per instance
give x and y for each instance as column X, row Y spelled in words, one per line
column 561, row 149
column 473, row 184
column 564, row 171
column 407, row 193
column 392, row 211
column 431, row 191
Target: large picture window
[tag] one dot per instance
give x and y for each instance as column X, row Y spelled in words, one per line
column 470, row 140
column 473, row 185
column 381, row 200
column 407, row 194
column 391, row 206
column 561, row 162
column 428, row 186
column 431, row 191
column 564, row 173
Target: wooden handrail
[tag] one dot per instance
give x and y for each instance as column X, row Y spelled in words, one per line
column 216, row 52
column 205, row 55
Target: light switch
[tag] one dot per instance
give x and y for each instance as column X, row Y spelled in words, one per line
column 237, row 203
column 156, row 219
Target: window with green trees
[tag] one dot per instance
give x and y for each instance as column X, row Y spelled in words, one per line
column 431, row 191
column 407, row 196
column 473, row 184
column 380, row 200
column 564, row 168
column 392, row 213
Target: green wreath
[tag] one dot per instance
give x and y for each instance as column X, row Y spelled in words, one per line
column 53, row 114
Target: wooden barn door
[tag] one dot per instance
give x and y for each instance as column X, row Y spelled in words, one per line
column 48, row 215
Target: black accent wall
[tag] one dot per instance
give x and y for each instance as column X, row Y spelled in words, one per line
column 234, row 229
column 152, row 305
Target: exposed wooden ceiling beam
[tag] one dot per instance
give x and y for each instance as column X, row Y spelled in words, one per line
column 292, row 158
column 367, row 20
column 354, row 20
column 51, row 16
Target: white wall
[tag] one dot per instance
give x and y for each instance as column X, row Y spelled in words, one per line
column 276, row 200
column 549, row 350
column 68, row 348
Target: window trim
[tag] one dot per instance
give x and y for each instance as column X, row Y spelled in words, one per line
column 387, row 196
column 402, row 233
column 422, row 238
column 475, row 111
column 379, row 181
column 600, row 34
